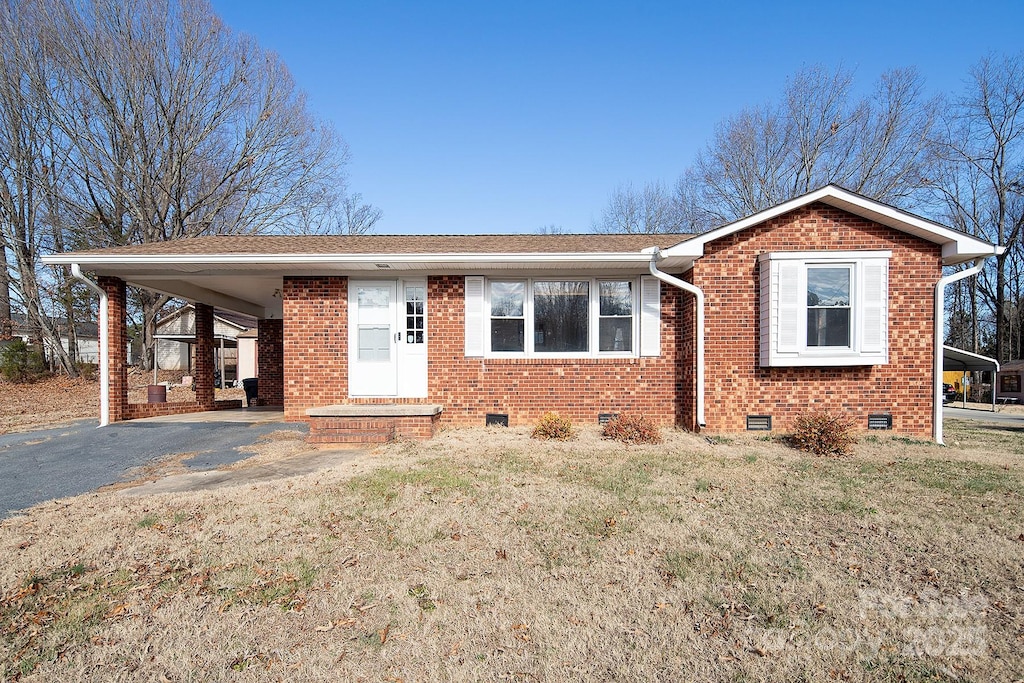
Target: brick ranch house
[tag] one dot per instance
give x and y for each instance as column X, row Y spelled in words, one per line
column 830, row 300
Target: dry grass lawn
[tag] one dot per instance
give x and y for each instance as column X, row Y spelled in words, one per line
column 485, row 555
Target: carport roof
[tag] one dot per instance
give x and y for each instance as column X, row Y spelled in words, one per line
column 960, row 360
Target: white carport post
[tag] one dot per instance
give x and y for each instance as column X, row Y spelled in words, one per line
column 104, row 335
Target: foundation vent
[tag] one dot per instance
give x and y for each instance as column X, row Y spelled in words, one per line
column 759, row 423
column 880, row 421
column 605, row 418
column 496, row 420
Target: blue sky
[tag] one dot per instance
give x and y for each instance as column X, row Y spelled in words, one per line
column 501, row 117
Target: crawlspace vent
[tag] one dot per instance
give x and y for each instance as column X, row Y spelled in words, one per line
column 759, row 423
column 879, row 421
column 496, row 420
column 605, row 418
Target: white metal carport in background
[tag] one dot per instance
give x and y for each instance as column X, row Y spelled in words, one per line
column 958, row 360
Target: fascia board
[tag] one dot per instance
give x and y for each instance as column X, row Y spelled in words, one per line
column 339, row 259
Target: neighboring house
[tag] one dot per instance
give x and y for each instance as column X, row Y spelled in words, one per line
column 247, row 354
column 86, row 337
column 1010, row 382
column 826, row 301
column 176, row 341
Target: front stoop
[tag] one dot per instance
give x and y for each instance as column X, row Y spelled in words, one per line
column 372, row 423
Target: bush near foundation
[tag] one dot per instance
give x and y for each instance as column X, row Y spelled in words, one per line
column 824, row 432
column 631, row 429
column 553, row 426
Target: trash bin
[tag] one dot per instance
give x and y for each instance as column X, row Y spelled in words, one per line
column 157, row 393
column 251, row 386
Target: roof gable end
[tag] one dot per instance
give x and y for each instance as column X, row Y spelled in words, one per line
column 957, row 247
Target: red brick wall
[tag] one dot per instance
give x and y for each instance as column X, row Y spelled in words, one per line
column 316, row 353
column 315, row 343
column 141, row 410
column 270, row 360
column 735, row 384
column 579, row 389
column 117, row 345
column 204, row 355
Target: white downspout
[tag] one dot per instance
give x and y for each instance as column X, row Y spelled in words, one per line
column 699, row 296
column 104, row 334
column 940, row 324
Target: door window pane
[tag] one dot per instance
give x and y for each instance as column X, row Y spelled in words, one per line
column 415, row 314
column 374, row 344
column 561, row 316
column 373, row 297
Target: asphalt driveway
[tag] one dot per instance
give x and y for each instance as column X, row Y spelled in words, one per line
column 55, row 463
column 1014, row 419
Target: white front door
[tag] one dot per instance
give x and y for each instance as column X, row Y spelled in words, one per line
column 387, row 338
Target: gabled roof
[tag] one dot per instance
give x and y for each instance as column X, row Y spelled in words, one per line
column 227, row 325
column 957, row 247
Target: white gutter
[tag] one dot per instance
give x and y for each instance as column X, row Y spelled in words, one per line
column 940, row 324
column 699, row 296
column 104, row 334
column 319, row 259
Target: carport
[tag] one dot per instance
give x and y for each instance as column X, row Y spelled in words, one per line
column 958, row 360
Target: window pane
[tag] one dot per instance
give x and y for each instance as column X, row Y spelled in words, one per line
column 615, row 334
column 616, row 298
column 828, row 326
column 560, row 316
column 507, row 299
column 374, row 344
column 828, row 286
column 373, row 297
column 507, row 334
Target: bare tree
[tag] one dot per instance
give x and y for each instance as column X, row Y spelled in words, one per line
column 552, row 229
column 979, row 186
column 29, row 179
column 651, row 209
column 178, row 127
column 819, row 133
column 357, row 218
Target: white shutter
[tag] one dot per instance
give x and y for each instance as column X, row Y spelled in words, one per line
column 765, row 300
column 786, row 301
column 874, row 306
column 474, row 315
column 650, row 316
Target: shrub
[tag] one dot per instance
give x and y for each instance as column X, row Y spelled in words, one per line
column 86, row 370
column 631, row 429
column 20, row 362
column 552, row 426
column 824, row 432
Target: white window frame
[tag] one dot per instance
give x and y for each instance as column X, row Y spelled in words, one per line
column 783, row 301
column 644, row 325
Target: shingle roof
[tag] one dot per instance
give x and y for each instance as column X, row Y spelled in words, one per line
column 396, row 244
